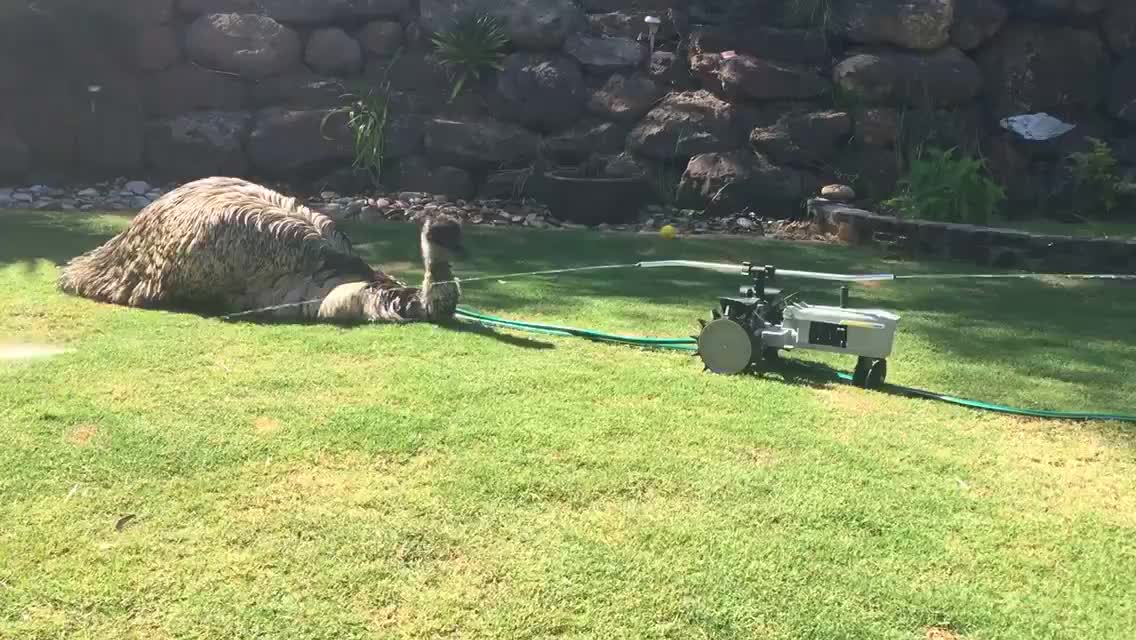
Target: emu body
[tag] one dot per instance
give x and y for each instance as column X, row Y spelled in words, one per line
column 227, row 245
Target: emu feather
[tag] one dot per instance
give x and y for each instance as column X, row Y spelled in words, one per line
column 227, row 245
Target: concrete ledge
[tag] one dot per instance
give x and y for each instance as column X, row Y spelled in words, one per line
column 986, row 246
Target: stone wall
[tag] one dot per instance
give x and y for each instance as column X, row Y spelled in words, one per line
column 750, row 102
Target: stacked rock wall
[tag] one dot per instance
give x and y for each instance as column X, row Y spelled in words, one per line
column 751, row 102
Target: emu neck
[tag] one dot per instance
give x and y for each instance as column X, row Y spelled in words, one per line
column 436, row 271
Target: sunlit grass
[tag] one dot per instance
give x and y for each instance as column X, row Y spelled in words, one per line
column 321, row 482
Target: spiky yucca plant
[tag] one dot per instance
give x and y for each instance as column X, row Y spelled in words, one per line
column 474, row 45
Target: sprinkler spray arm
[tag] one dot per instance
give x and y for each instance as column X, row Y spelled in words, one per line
column 768, row 272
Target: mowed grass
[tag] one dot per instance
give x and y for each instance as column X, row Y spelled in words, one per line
column 173, row 476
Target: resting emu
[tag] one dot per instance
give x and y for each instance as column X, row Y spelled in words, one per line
column 227, row 245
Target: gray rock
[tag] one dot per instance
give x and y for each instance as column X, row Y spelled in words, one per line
column 579, row 142
column 542, row 92
column 802, row 46
column 302, row 11
column 89, row 192
column 1119, row 26
column 1122, row 90
column 914, row 24
column 156, row 47
column 15, row 159
column 137, row 187
column 729, row 182
column 748, row 77
column 685, row 124
column 285, row 141
column 22, row 197
column 804, row 139
column 479, row 143
column 976, row 21
column 331, row 51
column 381, row 38
column 110, row 139
column 189, row 87
column 416, row 174
column 139, row 202
column 251, row 46
column 1033, row 67
column 303, row 90
column 670, row 69
column 530, row 24
column 876, row 127
column 198, row 145
column 628, row 23
column 602, row 54
column 945, row 77
column 1058, row 8
column 625, row 98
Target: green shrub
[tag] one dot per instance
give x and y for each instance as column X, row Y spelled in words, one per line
column 474, row 45
column 367, row 114
column 946, row 187
column 1096, row 176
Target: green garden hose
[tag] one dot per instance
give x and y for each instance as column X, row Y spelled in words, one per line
column 690, row 344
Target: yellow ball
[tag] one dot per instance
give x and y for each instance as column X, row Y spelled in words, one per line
column 667, row 231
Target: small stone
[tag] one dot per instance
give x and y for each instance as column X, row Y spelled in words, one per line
column 328, row 195
column 87, row 207
column 383, row 203
column 139, row 202
column 67, row 206
column 89, row 192
column 38, row 189
column 440, row 199
column 744, row 223
column 136, row 187
column 344, row 201
column 355, row 208
column 22, row 197
column 838, row 193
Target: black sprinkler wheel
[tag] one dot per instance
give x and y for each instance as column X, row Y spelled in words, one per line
column 860, row 373
column 876, row 374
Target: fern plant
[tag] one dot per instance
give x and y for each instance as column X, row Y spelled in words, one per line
column 1096, row 175
column 943, row 186
column 474, row 45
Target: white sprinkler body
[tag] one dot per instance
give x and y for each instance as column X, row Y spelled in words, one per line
column 869, row 333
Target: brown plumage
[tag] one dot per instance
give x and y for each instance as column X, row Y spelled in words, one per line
column 226, row 245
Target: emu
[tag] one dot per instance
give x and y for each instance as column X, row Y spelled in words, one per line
column 228, row 245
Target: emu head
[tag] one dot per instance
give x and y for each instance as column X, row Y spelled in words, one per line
column 442, row 239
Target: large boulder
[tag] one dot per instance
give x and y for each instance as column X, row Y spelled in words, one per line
column 628, row 23
column 156, row 47
column 141, row 12
column 110, row 135
column 1119, row 26
column 976, row 21
column 685, row 124
column 286, row 142
column 530, row 24
column 756, row 79
column 251, row 46
column 301, row 11
column 1122, row 90
column 418, row 175
column 729, row 182
column 198, row 145
column 381, row 38
column 671, row 69
column 14, row 157
column 188, row 87
column 942, row 78
column 586, row 138
column 332, row 52
column 804, row 46
column 303, row 90
column 1058, row 8
column 602, row 54
column 913, row 24
column 542, row 92
column 1033, row 67
column 479, row 143
column 625, row 98
column 803, row 139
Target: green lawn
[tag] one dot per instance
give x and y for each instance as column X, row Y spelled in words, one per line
column 1114, row 230
column 413, row 481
